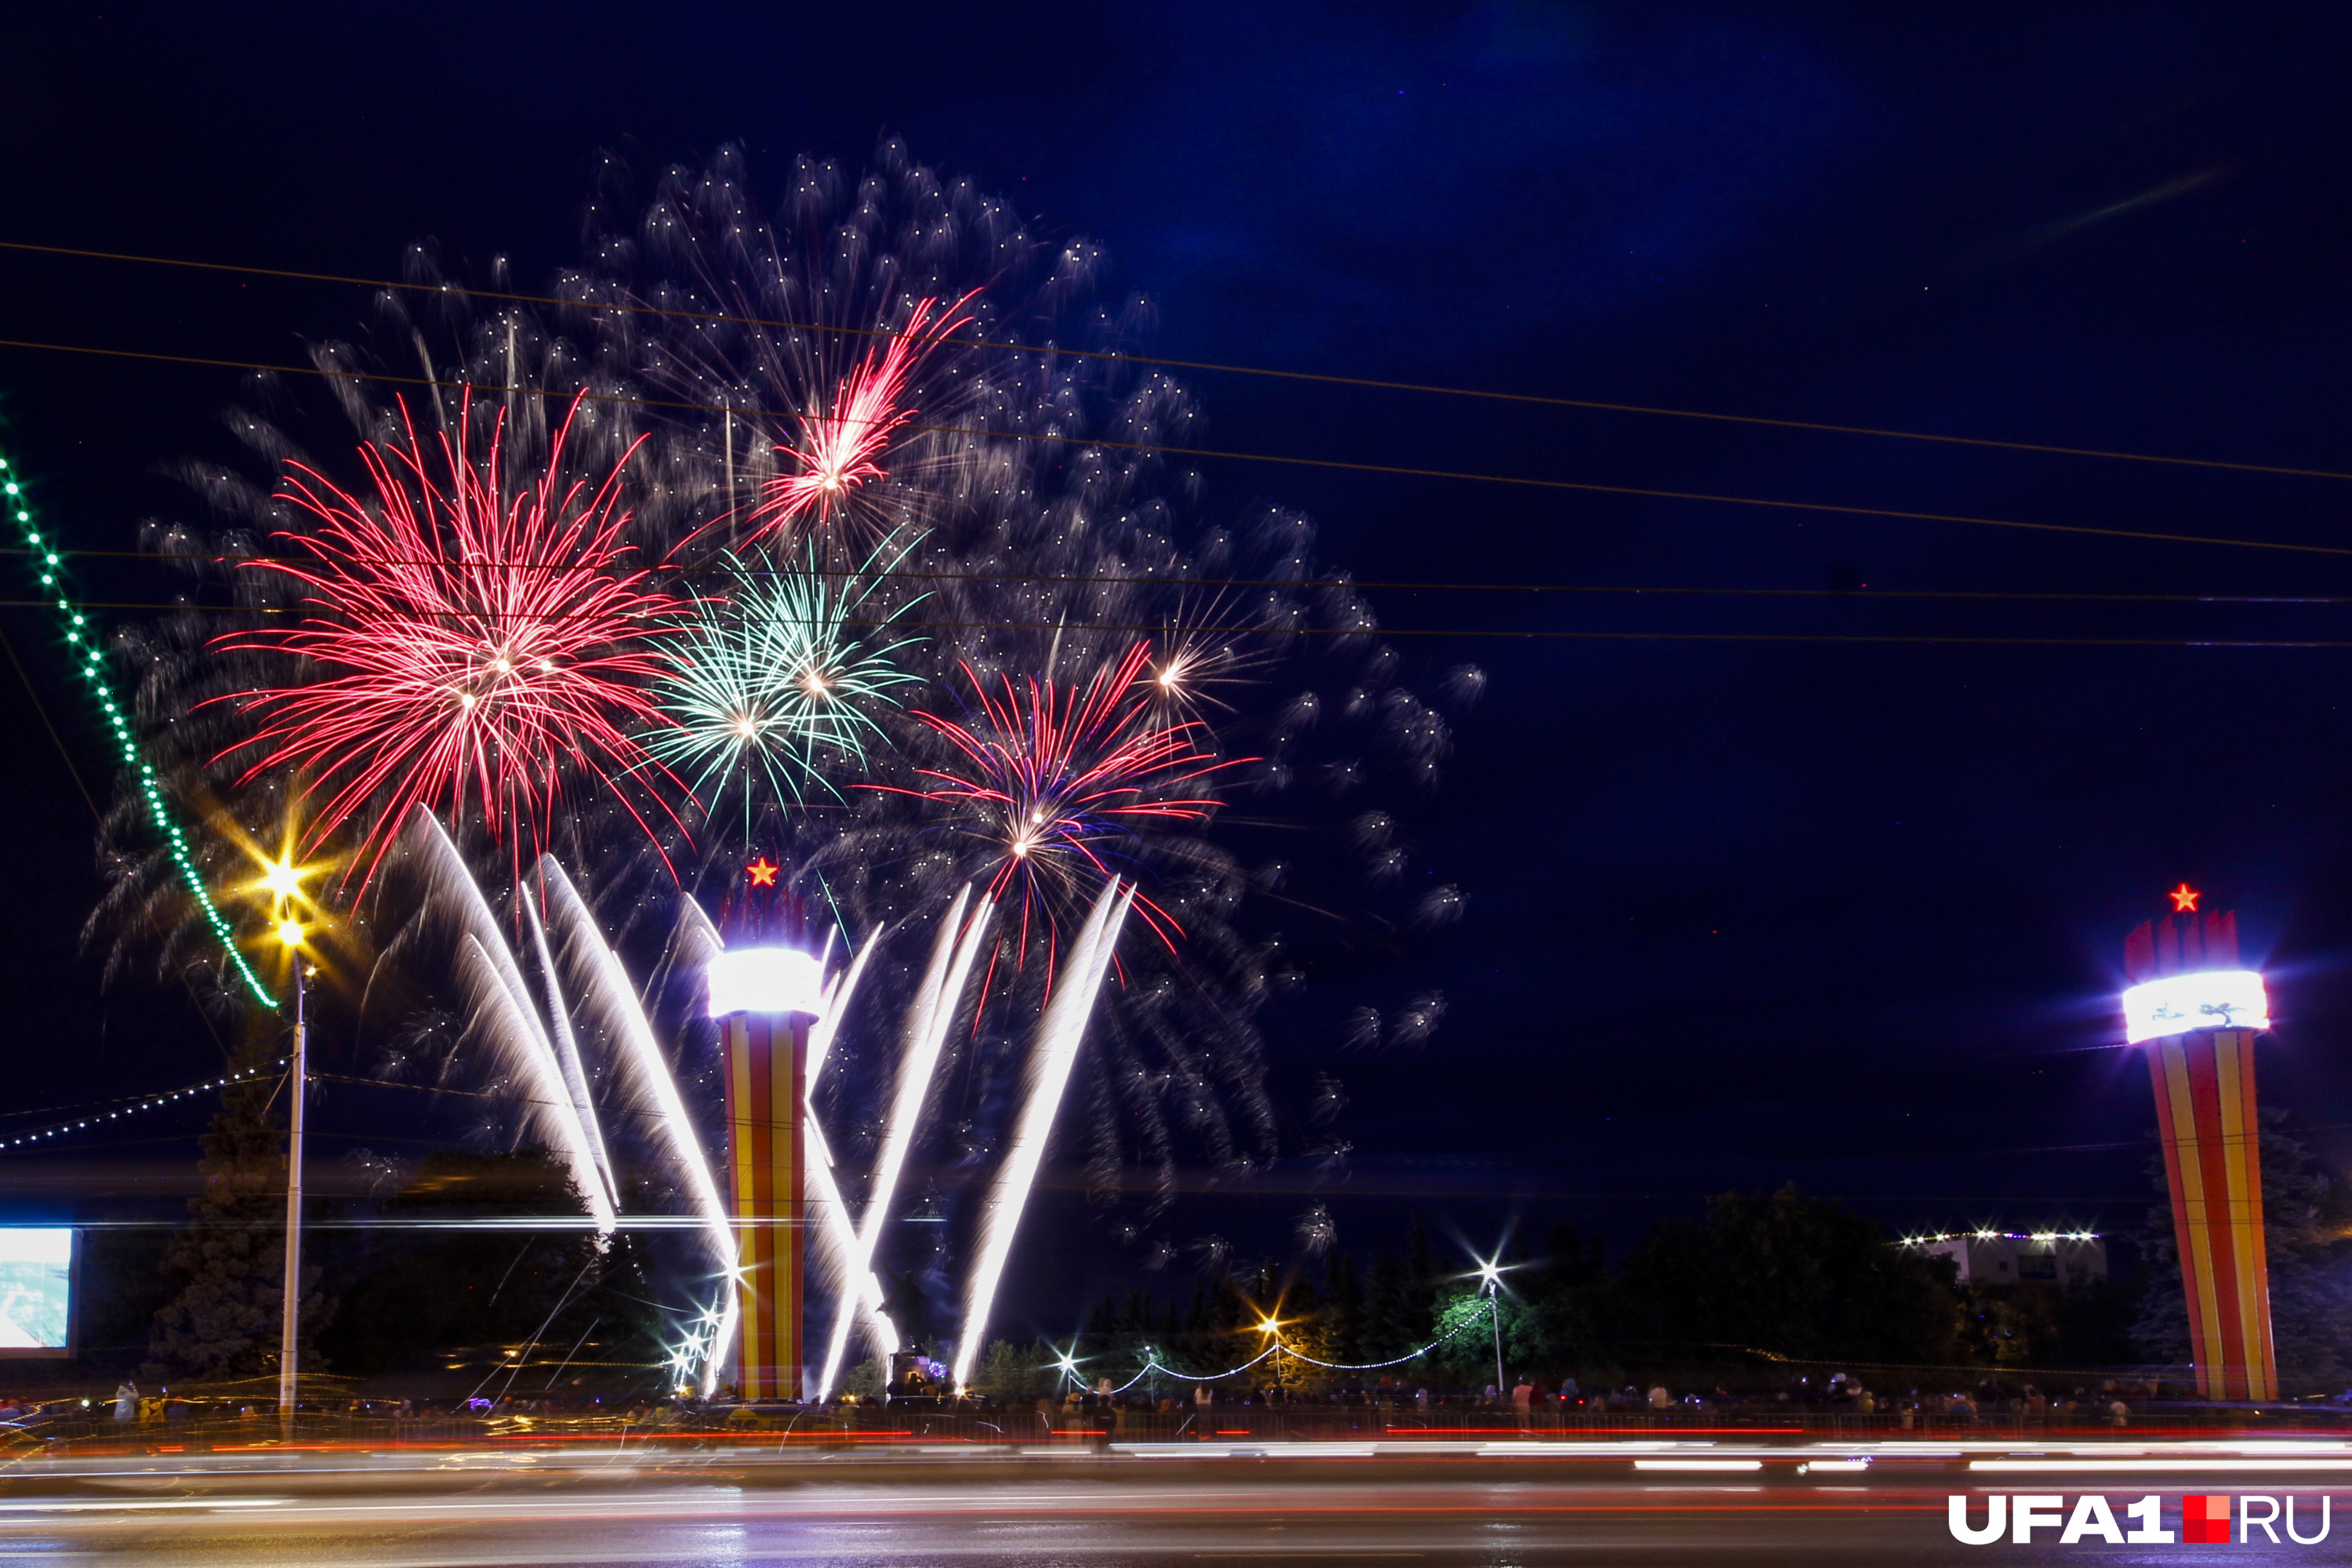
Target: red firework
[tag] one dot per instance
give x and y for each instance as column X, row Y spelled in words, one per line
column 841, row 450
column 469, row 641
column 1062, row 778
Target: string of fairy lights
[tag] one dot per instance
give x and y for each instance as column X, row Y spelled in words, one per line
column 153, row 1102
column 1068, row 1364
column 90, row 660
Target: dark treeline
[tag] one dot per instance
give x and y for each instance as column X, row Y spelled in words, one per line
column 1759, row 1291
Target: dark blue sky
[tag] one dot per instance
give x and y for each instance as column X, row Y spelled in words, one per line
column 1739, row 911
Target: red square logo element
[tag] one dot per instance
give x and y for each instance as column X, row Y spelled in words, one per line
column 2205, row 1521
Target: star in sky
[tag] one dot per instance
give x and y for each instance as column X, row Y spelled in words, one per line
column 762, row 873
column 2184, row 898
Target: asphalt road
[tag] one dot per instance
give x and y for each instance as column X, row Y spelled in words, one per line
column 452, row 1508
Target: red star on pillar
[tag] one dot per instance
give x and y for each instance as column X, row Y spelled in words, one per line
column 762, row 874
column 2184, row 898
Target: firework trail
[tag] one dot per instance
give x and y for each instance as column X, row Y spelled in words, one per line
column 641, row 1083
column 837, row 1247
column 567, row 1047
column 854, row 1289
column 1050, row 1060
column 471, row 640
column 520, row 1048
column 928, row 1018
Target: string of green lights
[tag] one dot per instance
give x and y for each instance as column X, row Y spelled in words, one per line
column 90, row 659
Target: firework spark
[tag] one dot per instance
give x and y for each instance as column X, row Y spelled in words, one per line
column 473, row 639
column 840, row 451
column 1056, row 778
column 774, row 676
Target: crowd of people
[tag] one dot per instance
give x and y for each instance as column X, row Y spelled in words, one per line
column 1164, row 1400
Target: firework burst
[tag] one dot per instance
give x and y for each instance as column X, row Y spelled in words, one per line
column 471, row 641
column 771, row 679
column 1058, row 780
column 840, row 449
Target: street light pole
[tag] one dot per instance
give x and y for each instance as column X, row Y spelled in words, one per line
column 1494, row 1316
column 1490, row 1285
column 290, row 1319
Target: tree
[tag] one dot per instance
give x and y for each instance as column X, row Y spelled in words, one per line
column 2303, row 1221
column 1010, row 1372
column 420, row 1297
column 229, row 1262
column 1782, row 1275
column 1562, row 1294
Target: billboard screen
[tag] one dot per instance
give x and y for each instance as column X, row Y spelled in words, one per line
column 36, row 1290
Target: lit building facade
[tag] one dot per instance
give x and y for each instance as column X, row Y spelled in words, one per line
column 2066, row 1259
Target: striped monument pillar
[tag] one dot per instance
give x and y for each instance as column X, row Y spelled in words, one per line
column 766, row 1055
column 765, row 992
column 2196, row 1012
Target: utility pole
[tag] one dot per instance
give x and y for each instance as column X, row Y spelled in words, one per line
column 290, row 1326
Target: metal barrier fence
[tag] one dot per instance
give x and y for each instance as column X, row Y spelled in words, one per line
column 922, row 1423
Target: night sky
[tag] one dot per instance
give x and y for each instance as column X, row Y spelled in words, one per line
column 1740, row 910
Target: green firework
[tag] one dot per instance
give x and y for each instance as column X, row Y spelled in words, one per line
column 770, row 682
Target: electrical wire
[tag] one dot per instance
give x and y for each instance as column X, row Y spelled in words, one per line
column 1366, row 585
column 1460, row 632
column 1389, row 470
column 1322, row 378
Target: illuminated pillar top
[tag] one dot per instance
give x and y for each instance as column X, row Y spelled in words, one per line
column 2186, row 975
column 764, row 970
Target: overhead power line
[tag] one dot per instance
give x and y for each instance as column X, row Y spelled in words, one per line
column 1340, row 465
column 1467, row 633
column 1860, row 595
column 1216, row 366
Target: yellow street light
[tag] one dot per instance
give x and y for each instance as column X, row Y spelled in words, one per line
column 281, row 880
column 291, row 932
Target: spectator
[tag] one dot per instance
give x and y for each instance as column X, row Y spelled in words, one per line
column 1659, row 1399
column 126, row 1401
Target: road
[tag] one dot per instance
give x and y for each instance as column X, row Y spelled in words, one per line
column 1573, row 1504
